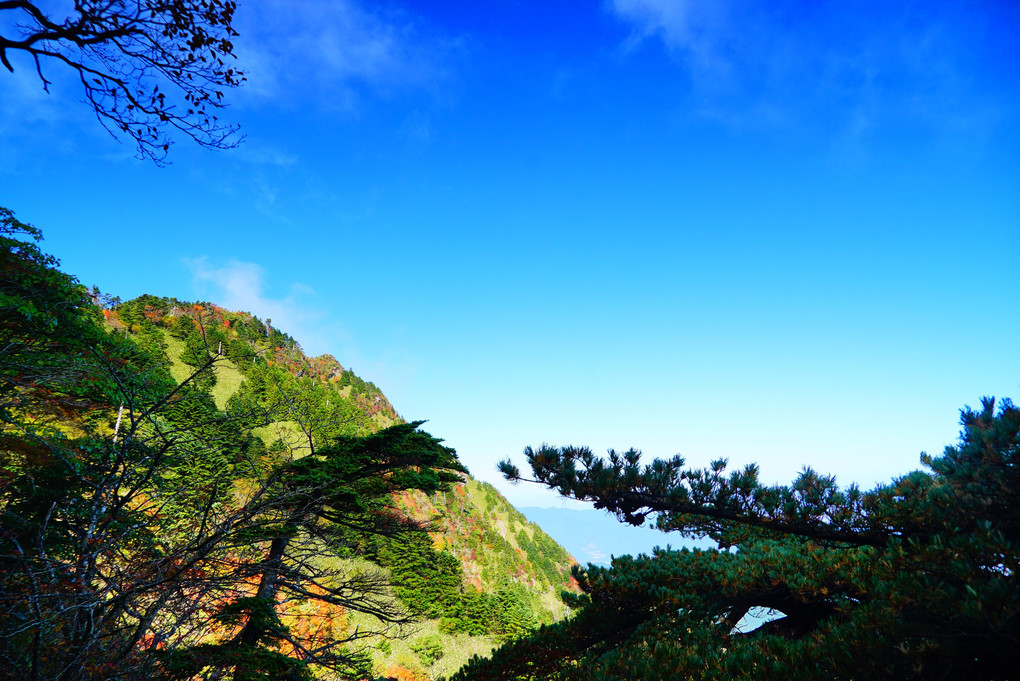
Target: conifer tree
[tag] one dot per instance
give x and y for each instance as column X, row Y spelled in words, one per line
column 916, row 579
column 144, row 533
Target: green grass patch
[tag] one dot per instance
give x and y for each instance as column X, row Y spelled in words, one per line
column 228, row 381
column 381, row 420
column 287, row 431
column 178, row 369
column 228, row 377
column 414, row 647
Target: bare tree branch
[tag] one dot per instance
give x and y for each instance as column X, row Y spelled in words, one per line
column 149, row 69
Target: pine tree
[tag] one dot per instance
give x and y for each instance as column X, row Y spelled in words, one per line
column 138, row 522
column 916, row 579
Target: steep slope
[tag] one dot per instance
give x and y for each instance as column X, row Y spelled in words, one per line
column 488, row 575
column 496, row 544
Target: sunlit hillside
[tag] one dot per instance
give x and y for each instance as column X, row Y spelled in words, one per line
column 502, row 574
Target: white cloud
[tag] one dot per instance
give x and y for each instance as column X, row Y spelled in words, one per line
column 671, row 18
column 770, row 65
column 741, row 69
column 685, row 25
column 238, row 285
column 595, row 554
column 242, row 286
column 328, row 52
column 261, row 154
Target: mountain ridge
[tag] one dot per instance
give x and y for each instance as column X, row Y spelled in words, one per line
column 510, row 563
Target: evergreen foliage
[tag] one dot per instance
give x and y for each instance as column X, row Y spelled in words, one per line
column 145, row 532
column 429, row 649
column 498, row 545
column 321, row 500
column 431, row 584
column 916, row 579
column 148, row 531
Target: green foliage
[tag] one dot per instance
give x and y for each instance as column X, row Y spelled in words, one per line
column 915, row 579
column 431, row 584
column 48, row 325
column 201, row 348
column 428, row 582
column 358, row 386
column 514, row 615
column 240, row 352
column 280, row 382
column 429, row 649
column 80, row 444
column 134, row 513
column 326, row 499
column 142, row 316
column 323, row 410
column 147, row 531
column 207, row 447
column 499, row 549
column 180, row 326
column 253, row 663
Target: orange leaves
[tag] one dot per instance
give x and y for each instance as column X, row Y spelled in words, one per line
column 315, row 622
column 401, row 673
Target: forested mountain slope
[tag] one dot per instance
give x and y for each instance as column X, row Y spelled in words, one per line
column 183, row 492
column 508, row 573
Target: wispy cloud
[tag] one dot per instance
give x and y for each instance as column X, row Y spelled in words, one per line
column 831, row 68
column 687, row 26
column 259, row 153
column 329, row 53
column 595, row 555
column 239, row 285
column 743, row 69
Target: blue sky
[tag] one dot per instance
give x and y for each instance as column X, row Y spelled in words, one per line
column 783, row 232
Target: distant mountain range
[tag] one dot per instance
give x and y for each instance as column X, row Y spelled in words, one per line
column 594, row 536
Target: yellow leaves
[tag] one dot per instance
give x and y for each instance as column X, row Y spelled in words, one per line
column 438, row 541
